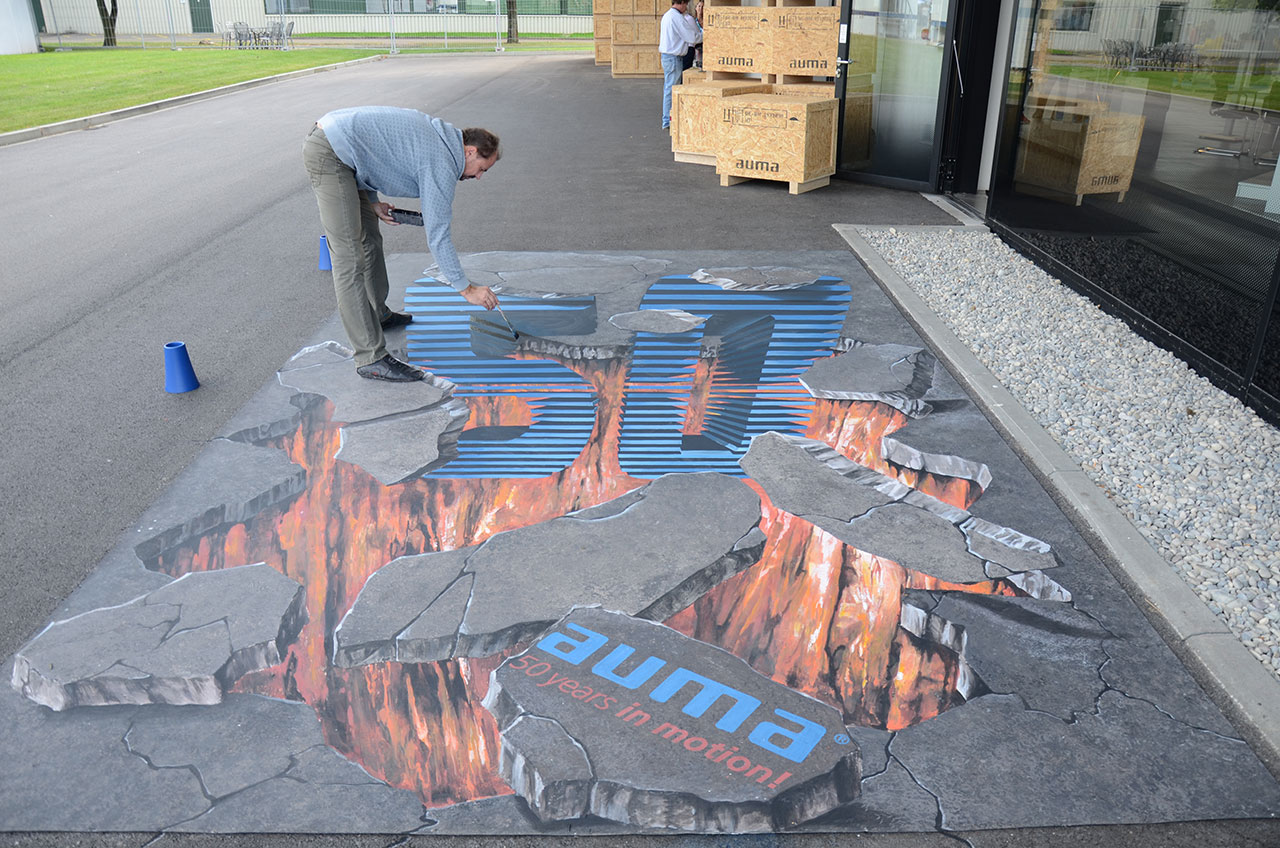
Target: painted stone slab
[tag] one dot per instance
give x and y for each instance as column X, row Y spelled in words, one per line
column 237, row 481
column 689, row 737
column 650, row 552
column 185, row 643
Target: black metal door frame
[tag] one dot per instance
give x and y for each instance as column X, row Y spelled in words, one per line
column 930, row 184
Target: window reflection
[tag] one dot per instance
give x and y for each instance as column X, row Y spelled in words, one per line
column 1139, row 149
column 891, row 93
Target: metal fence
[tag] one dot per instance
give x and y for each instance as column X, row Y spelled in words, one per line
column 151, row 17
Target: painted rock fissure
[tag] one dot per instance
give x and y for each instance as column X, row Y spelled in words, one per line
column 631, row 721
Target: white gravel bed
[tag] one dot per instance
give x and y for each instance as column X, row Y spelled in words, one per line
column 1196, row 471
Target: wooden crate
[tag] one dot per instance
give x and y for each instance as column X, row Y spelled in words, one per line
column 777, row 137
column 1040, row 106
column 804, row 41
column 820, row 90
column 632, row 61
column 602, row 25
column 635, row 29
column 1079, row 152
column 696, row 112
column 638, row 7
column 692, row 75
column 736, row 39
column 858, row 129
column 604, row 51
column 864, row 51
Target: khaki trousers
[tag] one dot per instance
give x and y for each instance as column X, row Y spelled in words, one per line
column 351, row 228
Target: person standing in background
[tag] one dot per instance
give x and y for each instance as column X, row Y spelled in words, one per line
column 702, row 24
column 678, row 34
column 692, row 55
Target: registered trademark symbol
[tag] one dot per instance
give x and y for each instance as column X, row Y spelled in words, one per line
column 841, row 739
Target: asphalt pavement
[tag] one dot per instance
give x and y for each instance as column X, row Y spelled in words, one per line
column 196, row 223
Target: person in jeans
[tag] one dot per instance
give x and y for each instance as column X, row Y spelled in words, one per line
column 679, row 31
column 352, row 155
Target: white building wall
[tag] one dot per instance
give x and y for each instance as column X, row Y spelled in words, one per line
column 17, row 28
column 151, row 17
column 1204, row 28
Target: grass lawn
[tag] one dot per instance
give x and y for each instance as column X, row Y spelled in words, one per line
column 1209, row 84
column 41, row 88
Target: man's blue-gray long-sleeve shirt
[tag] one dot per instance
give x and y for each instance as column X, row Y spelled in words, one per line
column 405, row 153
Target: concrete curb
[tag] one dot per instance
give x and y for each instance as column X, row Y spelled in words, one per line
column 30, row 133
column 1245, row 691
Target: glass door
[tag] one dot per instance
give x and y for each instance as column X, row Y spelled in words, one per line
column 894, row 56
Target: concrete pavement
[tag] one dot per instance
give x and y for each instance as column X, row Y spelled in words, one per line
column 1056, row 727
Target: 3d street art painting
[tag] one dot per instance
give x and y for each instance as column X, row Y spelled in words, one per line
column 705, row 549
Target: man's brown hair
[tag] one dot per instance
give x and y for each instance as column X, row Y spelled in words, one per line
column 485, row 142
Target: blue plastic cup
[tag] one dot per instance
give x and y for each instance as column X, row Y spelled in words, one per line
column 179, row 376
column 326, row 264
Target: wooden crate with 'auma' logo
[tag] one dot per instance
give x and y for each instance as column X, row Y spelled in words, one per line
column 791, row 139
column 736, row 39
column 696, row 114
column 804, row 41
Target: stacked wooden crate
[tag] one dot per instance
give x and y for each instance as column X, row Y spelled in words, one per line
column 602, row 14
column 697, row 110
column 786, row 137
column 767, row 110
column 633, row 30
column 1078, row 149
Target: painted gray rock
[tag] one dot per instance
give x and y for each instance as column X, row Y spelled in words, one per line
column 357, row 399
column 881, row 516
column 1139, row 763
column 325, row 353
column 184, row 643
column 763, row 278
column 923, row 443
column 897, row 375
column 393, row 434
column 516, row 272
column 650, row 553
column 657, row 321
column 394, row 450
column 631, row 721
column 229, row 482
column 275, row 411
column 909, row 380
column 615, row 284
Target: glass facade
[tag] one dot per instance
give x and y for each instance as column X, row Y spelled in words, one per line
column 382, row 7
column 1138, row 153
column 892, row 84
